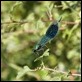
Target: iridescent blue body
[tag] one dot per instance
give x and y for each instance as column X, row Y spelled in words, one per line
column 49, row 35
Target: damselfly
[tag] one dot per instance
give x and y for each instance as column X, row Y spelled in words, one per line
column 49, row 35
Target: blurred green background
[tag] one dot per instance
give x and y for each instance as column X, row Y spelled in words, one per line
column 18, row 39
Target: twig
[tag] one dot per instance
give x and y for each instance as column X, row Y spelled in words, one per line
column 79, row 75
column 67, row 22
column 22, row 22
column 58, row 6
column 20, row 32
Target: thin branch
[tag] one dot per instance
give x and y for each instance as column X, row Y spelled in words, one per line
column 22, row 22
column 58, row 6
column 67, row 22
column 20, row 32
column 79, row 75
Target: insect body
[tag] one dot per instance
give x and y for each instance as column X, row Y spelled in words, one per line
column 49, row 35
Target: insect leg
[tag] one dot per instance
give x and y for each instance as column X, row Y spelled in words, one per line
column 37, row 53
column 46, row 46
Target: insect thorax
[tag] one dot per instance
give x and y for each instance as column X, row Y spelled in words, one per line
column 37, row 47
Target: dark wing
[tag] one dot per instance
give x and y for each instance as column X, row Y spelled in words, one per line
column 43, row 40
column 52, row 31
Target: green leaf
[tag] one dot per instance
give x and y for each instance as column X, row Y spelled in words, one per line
column 43, row 73
column 46, row 53
column 22, row 72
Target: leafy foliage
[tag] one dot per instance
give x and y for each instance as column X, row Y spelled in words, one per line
column 23, row 23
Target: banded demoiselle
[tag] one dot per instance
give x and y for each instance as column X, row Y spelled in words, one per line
column 49, row 35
